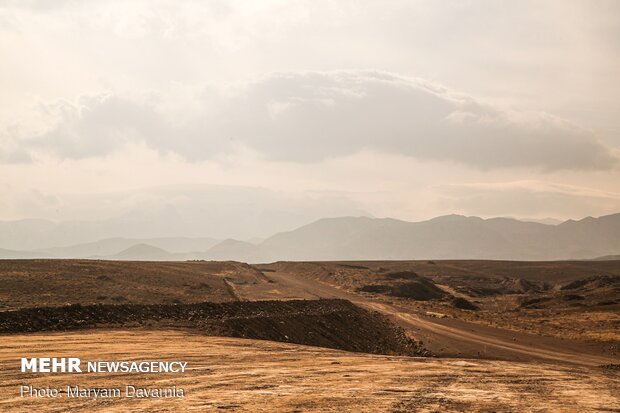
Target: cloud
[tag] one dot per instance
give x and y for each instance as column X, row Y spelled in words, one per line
column 312, row 116
column 99, row 125
column 12, row 151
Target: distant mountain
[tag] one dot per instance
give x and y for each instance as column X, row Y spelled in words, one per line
column 363, row 238
column 447, row 237
column 143, row 252
column 217, row 211
column 17, row 255
column 111, row 246
column 546, row 221
column 608, row 258
column 231, row 249
column 42, row 235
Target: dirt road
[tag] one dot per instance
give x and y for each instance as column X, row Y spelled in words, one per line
column 443, row 336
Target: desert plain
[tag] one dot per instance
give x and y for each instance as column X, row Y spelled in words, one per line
column 389, row 336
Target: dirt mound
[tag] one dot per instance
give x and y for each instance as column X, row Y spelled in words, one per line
column 522, row 285
column 536, row 302
column 402, row 275
column 577, row 283
column 593, row 282
column 355, row 267
column 489, row 287
column 421, row 289
column 418, row 290
column 463, row 304
column 326, row 323
column 377, row 289
column 572, row 297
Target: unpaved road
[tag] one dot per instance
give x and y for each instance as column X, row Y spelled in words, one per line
column 227, row 374
column 443, row 336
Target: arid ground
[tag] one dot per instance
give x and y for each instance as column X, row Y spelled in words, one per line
column 504, row 336
column 228, row 374
column 490, row 309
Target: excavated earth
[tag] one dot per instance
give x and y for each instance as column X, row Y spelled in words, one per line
column 337, row 324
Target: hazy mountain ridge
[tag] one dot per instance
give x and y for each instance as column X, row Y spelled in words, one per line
column 143, row 252
column 364, row 238
column 608, row 258
column 445, row 237
column 109, row 248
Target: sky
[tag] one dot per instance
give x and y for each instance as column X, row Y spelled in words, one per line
column 287, row 111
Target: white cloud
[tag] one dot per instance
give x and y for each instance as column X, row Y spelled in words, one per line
column 127, row 78
column 311, row 116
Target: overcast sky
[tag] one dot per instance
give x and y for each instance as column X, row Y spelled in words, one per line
column 407, row 109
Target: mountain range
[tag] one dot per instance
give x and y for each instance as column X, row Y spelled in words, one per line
column 361, row 238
